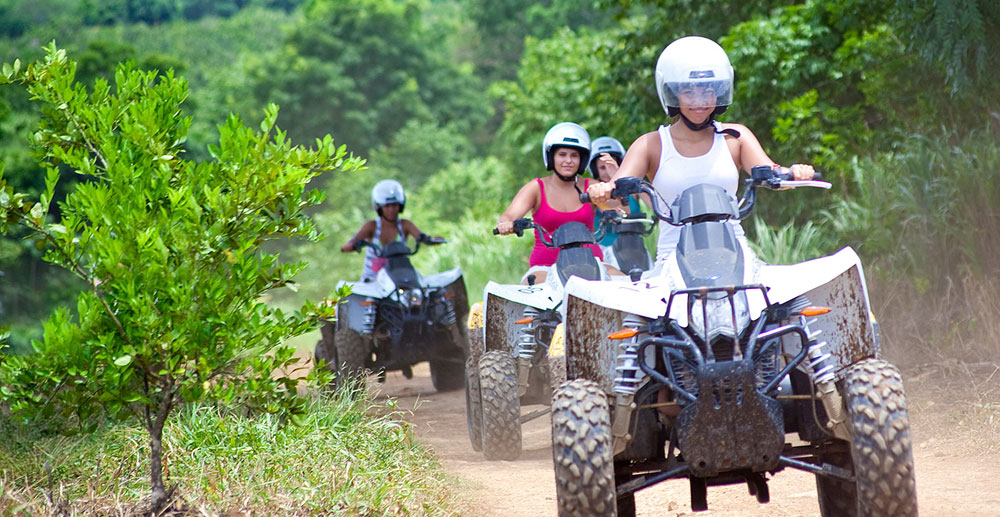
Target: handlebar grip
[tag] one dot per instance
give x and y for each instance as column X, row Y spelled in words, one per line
column 818, row 176
column 496, row 232
column 584, row 197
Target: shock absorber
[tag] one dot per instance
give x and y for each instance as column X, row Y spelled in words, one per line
column 447, row 314
column 628, row 378
column 819, row 366
column 368, row 320
column 524, row 350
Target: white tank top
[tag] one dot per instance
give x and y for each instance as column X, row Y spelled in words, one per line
column 369, row 271
column 676, row 173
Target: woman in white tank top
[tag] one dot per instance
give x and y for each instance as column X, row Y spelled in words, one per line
column 694, row 81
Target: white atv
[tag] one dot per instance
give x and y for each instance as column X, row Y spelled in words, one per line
column 705, row 370
column 512, row 368
column 400, row 319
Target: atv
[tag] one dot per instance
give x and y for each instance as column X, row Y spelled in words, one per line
column 628, row 252
column 721, row 369
column 518, row 323
column 399, row 319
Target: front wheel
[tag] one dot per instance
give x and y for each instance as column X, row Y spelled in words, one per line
column 473, row 403
column 881, row 450
column 351, row 355
column 501, row 406
column 447, row 374
column 582, row 451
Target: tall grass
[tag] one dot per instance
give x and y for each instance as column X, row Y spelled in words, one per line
column 789, row 244
column 927, row 220
column 350, row 456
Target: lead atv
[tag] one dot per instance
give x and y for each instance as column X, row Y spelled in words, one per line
column 724, row 370
column 400, row 319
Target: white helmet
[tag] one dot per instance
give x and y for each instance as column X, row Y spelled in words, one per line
column 601, row 145
column 387, row 192
column 693, row 61
column 566, row 134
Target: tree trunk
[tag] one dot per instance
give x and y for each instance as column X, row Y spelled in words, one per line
column 159, row 495
column 158, row 498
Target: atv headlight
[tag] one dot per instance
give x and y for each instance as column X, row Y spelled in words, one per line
column 713, row 316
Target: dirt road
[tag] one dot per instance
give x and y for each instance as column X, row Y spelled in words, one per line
column 957, row 455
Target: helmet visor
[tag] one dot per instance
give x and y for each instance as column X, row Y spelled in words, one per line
column 698, row 94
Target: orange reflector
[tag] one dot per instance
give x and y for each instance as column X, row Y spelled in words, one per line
column 366, row 304
column 814, row 310
column 623, row 334
column 522, row 321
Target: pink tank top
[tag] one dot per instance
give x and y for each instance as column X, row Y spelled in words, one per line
column 551, row 219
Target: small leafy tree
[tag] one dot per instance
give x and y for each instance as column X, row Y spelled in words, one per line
column 171, row 251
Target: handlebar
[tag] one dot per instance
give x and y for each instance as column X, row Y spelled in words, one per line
column 760, row 176
column 523, row 224
column 379, row 250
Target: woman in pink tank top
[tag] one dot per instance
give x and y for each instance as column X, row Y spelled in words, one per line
column 554, row 200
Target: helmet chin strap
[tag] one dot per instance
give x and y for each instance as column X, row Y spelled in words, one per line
column 698, row 127
column 571, row 179
column 709, row 123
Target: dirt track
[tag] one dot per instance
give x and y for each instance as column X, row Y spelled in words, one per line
column 956, row 475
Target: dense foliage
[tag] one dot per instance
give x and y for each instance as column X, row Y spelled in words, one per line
column 170, row 250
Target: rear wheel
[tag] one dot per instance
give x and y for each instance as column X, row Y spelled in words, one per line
column 473, row 404
column 582, row 453
column 881, row 450
column 501, row 406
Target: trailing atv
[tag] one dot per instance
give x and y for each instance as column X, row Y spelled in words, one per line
column 400, row 319
column 709, row 369
column 519, row 320
column 628, row 252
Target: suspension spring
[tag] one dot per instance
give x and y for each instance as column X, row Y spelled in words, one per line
column 369, row 315
column 628, row 376
column 526, row 336
column 448, row 318
column 819, row 364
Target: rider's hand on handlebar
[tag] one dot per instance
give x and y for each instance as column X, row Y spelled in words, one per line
column 600, row 192
column 349, row 246
column 801, row 171
column 505, row 227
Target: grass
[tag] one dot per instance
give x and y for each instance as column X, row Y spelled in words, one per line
column 350, row 456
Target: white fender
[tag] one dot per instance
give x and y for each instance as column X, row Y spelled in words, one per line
column 788, row 281
column 371, row 289
column 648, row 297
column 540, row 296
column 442, row 279
column 380, row 288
